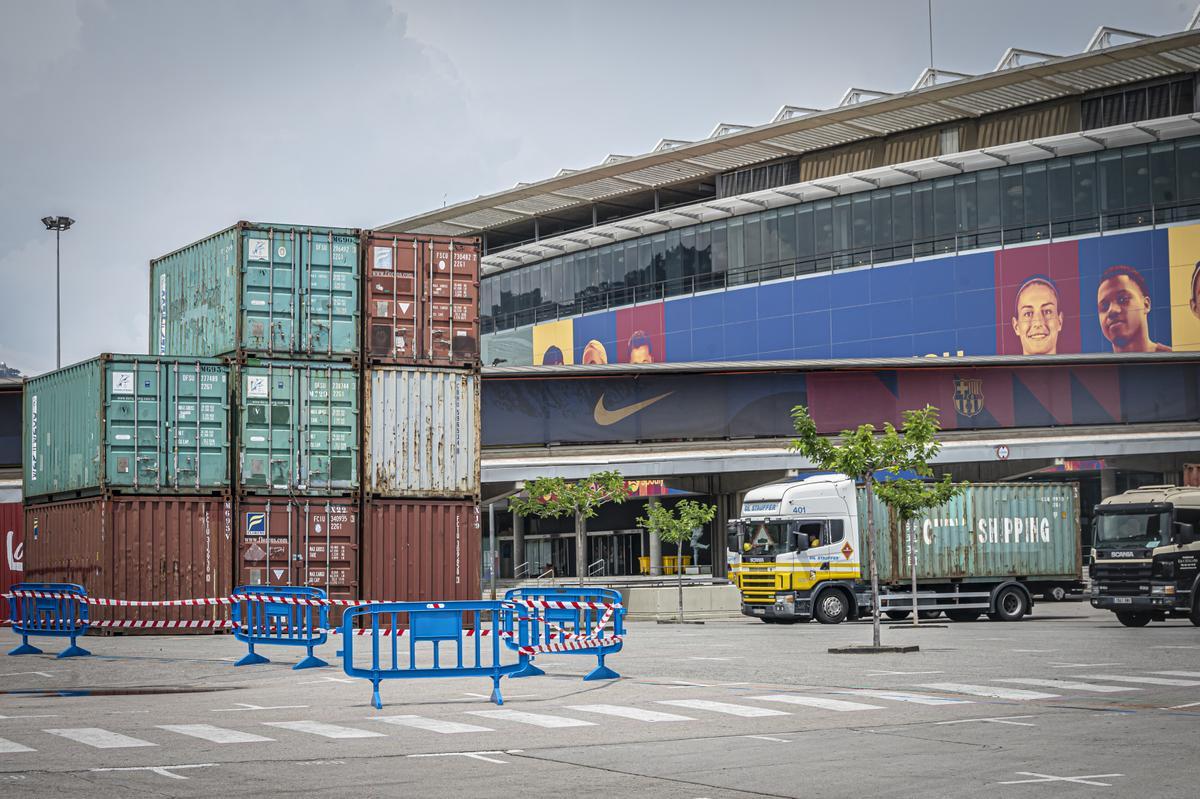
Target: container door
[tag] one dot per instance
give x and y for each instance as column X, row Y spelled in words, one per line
column 199, row 453
column 135, row 431
column 393, row 300
column 329, row 295
column 453, row 313
column 270, row 414
column 328, row 434
column 269, row 298
column 265, row 541
column 326, row 543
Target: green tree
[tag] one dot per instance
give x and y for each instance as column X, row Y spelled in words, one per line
column 676, row 526
column 909, row 499
column 863, row 452
column 554, row 497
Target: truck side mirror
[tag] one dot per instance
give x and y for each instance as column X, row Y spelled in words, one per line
column 733, row 541
column 1184, row 533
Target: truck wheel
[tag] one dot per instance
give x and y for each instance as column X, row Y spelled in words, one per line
column 896, row 615
column 962, row 615
column 928, row 614
column 1011, row 605
column 832, row 608
column 1134, row 619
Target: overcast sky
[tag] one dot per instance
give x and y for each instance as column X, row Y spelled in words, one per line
column 156, row 122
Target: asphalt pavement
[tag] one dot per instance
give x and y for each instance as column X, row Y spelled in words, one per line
column 1065, row 703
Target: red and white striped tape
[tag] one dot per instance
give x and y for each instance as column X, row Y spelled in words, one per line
column 574, row 643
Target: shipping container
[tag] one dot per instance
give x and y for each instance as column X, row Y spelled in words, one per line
column 421, row 432
column 137, row 424
column 298, row 428
column 136, row 547
column 991, row 530
column 418, row 550
column 12, row 523
column 422, row 299
column 310, row 541
column 269, row 290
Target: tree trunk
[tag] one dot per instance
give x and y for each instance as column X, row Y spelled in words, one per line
column 581, row 561
column 872, row 543
column 679, row 574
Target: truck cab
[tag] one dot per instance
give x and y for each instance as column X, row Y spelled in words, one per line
column 1145, row 555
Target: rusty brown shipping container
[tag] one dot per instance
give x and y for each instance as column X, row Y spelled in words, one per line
column 300, row 541
column 136, row 547
column 421, row 304
column 421, row 550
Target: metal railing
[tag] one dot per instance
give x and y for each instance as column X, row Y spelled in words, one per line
column 549, row 573
column 521, row 571
column 597, row 569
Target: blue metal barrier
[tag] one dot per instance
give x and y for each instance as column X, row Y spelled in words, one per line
column 279, row 623
column 579, row 630
column 434, row 623
column 60, row 614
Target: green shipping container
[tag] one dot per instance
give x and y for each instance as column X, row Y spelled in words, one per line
column 991, row 530
column 269, row 290
column 298, row 428
column 128, row 423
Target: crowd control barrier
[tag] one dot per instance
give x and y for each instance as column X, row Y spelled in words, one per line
column 51, row 610
column 433, row 623
column 569, row 621
column 257, row 620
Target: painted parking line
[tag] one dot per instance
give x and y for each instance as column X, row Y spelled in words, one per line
column 432, row 725
column 905, row 696
column 1070, row 685
column 534, row 719
column 989, row 691
column 98, row 738
column 8, row 747
column 324, row 730
column 821, row 702
column 217, row 735
column 728, row 708
column 1178, row 673
column 635, row 713
column 1142, row 680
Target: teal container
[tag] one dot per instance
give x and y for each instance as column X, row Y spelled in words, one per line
column 299, row 428
column 267, row 290
column 128, row 424
column 991, row 530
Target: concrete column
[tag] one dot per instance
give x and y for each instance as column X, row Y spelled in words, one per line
column 518, row 528
column 1108, row 483
column 656, row 561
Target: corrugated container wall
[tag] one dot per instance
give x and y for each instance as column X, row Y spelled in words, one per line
column 136, row 547
column 990, row 530
column 421, row 550
column 298, row 428
column 422, row 300
column 310, row 541
column 128, row 423
column 270, row 290
column 422, row 432
column 12, row 567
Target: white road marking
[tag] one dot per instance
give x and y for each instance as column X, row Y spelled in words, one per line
column 994, row 720
column 1081, row 665
column 473, row 755
column 1070, row 685
column 326, row 679
column 217, row 735
column 162, row 771
column 989, row 691
column 1143, row 680
column 40, row 716
column 324, row 730
column 821, row 702
column 432, row 725
column 738, row 657
column 686, row 684
column 1177, row 646
column 768, row 738
column 1086, row 779
column 536, row 719
column 244, row 706
column 903, row 696
column 635, row 713
column 20, row 673
column 1177, row 673
column 727, row 708
column 98, row 738
column 1180, row 707
column 902, row 673
column 1034, row 651
column 488, row 697
column 7, row 746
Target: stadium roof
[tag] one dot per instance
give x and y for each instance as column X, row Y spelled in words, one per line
column 1022, row 78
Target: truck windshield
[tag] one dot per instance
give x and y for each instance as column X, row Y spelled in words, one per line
column 1132, row 529
column 780, row 537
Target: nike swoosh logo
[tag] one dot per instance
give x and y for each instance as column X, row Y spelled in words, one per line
column 604, row 417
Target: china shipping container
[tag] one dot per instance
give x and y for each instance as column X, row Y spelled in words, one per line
column 990, row 530
column 12, row 521
column 136, row 424
column 298, row 428
column 261, row 289
column 136, row 547
column 306, row 541
column 422, row 299
column 421, row 432
column 417, row 550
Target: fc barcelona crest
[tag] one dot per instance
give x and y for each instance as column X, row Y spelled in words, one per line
column 968, row 395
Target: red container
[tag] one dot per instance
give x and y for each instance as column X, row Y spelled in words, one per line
column 421, row 300
column 1191, row 475
column 421, row 550
column 11, row 565
column 300, row 541
column 136, row 547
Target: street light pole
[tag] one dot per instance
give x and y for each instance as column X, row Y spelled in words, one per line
column 58, row 224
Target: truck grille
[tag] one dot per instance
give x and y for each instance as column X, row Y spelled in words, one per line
column 759, row 583
column 1121, row 579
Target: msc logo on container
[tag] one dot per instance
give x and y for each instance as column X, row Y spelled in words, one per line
column 256, row 524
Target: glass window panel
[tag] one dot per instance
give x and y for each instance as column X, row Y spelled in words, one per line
column 606, row 269
column 1187, row 155
column 1112, row 188
column 506, row 296
column 989, row 199
column 1113, row 107
column 1059, row 182
column 592, row 275
column 902, row 226
column 673, row 261
column 823, row 226
column 860, row 214
column 966, row 213
column 1012, row 210
column 687, row 252
column 770, row 238
column 1182, row 100
column 645, row 262
column 1137, row 177
column 787, row 235
column 658, row 272
column 631, row 263
column 1135, row 105
column 841, row 224
column 1036, row 195
column 881, row 211
column 618, row 267
column 943, row 208
column 752, row 240
column 525, row 295
column 704, row 250
column 1162, row 174
column 720, row 247
column 1083, row 184
column 804, row 232
column 922, row 206
column 737, row 261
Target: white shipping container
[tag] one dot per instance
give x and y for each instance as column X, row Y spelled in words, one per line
column 422, row 432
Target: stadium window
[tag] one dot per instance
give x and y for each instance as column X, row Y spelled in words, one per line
column 1035, row 195
column 1162, row 174
column 737, row 261
column 902, row 224
column 881, row 211
column 753, row 241
column 989, row 199
column 1059, row 182
column 1136, row 163
column 618, row 267
column 841, row 224
column 787, row 236
column 672, row 259
column 943, row 208
column 1012, row 204
column 770, row 240
column 687, row 253
column 922, row 214
column 804, row 233
column 1187, row 156
column 948, row 141
column 606, row 268
column 703, row 251
column 1111, row 185
column 720, row 247
column 860, row 215
column 966, row 214
column 631, row 264
column 645, row 262
column 1135, row 105
column 1083, row 183
column 1182, row 97
column 658, row 269
column 823, row 227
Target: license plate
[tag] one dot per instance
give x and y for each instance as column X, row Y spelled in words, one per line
column 759, row 611
column 1123, row 600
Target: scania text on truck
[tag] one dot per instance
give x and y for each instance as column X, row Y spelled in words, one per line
column 991, row 550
